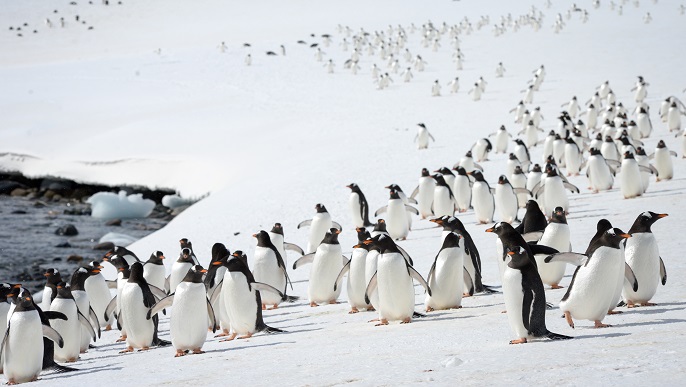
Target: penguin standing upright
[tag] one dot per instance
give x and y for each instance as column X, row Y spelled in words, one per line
column 444, row 200
column 480, row 150
column 643, row 256
column 482, row 199
column 406, row 200
column 424, row 194
column 663, row 161
column 524, row 297
column 359, row 208
column 462, row 189
column 124, row 253
column 69, row 329
column 180, row 268
column 53, row 277
column 356, row 273
column 269, row 268
column 396, row 220
column 518, row 181
column 506, row 200
column 277, row 238
column 319, row 225
column 553, row 191
column 630, row 177
column 114, row 307
column 99, row 294
column 423, row 135
column 185, row 243
column 600, row 174
column 78, row 292
column 154, row 271
column 327, row 263
column 447, row 276
column 501, row 139
column 192, row 310
column 557, row 236
column 214, row 276
column 573, row 157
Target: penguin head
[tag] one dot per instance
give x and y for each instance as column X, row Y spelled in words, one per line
column 95, row 264
column 385, row 244
column 53, row 276
column 186, row 255
column 156, row 258
column 640, row 151
column 136, row 273
column 512, row 156
column 219, row 254
column 63, row 290
column 551, row 170
column 499, row 228
column 532, row 206
column 185, row 243
column 460, row 171
column 661, row 144
column 478, row 176
column 550, row 160
column 394, row 194
column 468, row 154
column 503, row 180
column 536, row 168
column 425, row 172
column 380, row 226
column 394, row 187
column 277, row 229
column 558, row 216
column 25, row 300
column 628, row 155
column 594, row 151
column 516, row 257
column 451, row 240
column 362, row 234
column 195, row 274
column 439, row 179
column 353, row 187
column 644, row 221
column 440, row 220
column 331, row 237
column 444, row 171
column 320, row 208
column 518, row 170
column 613, row 237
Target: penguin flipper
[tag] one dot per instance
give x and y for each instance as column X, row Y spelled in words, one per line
column 305, row 259
column 532, row 236
column 111, row 284
column 414, row 193
column 415, row 274
column 305, row 223
column 110, row 307
column 663, row 272
column 54, row 315
column 380, row 210
column 267, row 288
column 344, row 270
column 672, row 153
column 164, row 303
column 467, row 280
column 405, row 255
column 94, row 319
column 629, row 275
column 86, row 324
column 4, row 340
column 336, row 225
column 373, row 283
column 522, row 191
column 432, row 270
column 211, row 315
column 527, row 301
column 576, row 259
column 216, row 292
column 157, row 292
column 557, row 336
column 293, row 247
column 479, row 167
column 571, row 187
column 412, row 200
column 411, row 209
column 53, row 335
column 432, row 137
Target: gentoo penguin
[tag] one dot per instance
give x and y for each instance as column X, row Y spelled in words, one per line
column 572, row 106
column 524, row 297
column 53, row 277
column 501, row 139
column 319, row 224
column 99, row 294
column 215, row 274
column 370, row 265
column 462, row 189
column 396, row 216
column 609, row 149
column 78, row 292
column 114, row 307
column 518, row 181
column 424, row 194
column 359, row 208
column 192, row 310
column 356, row 273
column 559, row 150
column 674, row 117
column 124, row 253
column 277, row 238
column 22, row 349
column 482, row 199
column 643, row 256
column 269, row 268
column 518, row 111
column 406, row 200
column 557, row 236
column 186, row 244
column 443, row 200
column 530, row 133
column 423, row 135
column 180, row 268
column 533, row 223
column 533, row 178
column 447, row 276
column 600, row 174
column 522, row 152
column 630, row 177
column 242, row 299
column 644, row 166
column 448, row 176
column 548, row 142
column 136, row 299
column 154, row 271
column 327, row 263
column 467, row 162
column 643, row 123
column 507, row 236
column 553, row 191
column 573, row 157
column 506, row 200
column 593, row 284
column 480, row 150
column 69, row 329
column 393, row 280
column 663, row 161
column 512, row 163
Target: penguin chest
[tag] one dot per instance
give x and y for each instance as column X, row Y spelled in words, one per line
column 82, row 302
column 643, row 256
column 23, row 354
column 69, row 330
column 443, row 203
column 179, row 270
column 189, row 321
column 555, row 195
column 356, row 209
column 599, row 174
column 423, row 135
column 396, row 219
column 321, row 223
column 155, row 275
column 462, row 192
column 267, row 270
column 663, row 164
column 139, row 329
column 483, row 203
column 356, row 278
column 47, row 295
column 370, row 268
column 447, row 281
column 240, row 302
column 326, row 265
column 555, row 235
column 513, row 293
column 506, row 202
column 630, row 180
column 396, row 292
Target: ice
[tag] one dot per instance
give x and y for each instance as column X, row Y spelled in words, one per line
column 107, row 205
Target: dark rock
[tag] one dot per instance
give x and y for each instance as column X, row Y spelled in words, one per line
column 57, row 198
column 67, row 230
column 19, row 192
column 48, row 194
column 63, row 245
column 58, row 259
column 74, row 258
column 57, row 185
column 39, row 204
column 104, row 246
column 18, row 212
column 7, row 186
column 114, row 222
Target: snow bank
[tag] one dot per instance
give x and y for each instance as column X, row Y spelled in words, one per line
column 106, row 205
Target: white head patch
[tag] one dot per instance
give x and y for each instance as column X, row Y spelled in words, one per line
column 611, row 232
column 82, row 270
column 646, row 215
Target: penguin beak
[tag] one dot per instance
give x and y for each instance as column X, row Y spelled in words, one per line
column 489, row 229
column 96, row 271
column 625, row 235
column 368, row 242
column 217, row 263
column 660, row 216
column 100, row 267
column 17, row 286
column 437, row 221
column 203, row 271
column 338, row 231
column 105, row 259
column 46, row 275
column 357, row 246
column 510, row 253
column 27, row 298
column 161, row 256
column 59, row 287
column 121, row 269
column 469, row 173
column 254, row 235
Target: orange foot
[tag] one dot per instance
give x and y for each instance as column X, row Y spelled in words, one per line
column 179, row 353
column 264, row 307
column 73, row 359
column 465, row 295
column 406, row 320
column 143, row 349
column 128, row 349
column 556, row 286
column 120, row 339
column 313, row 304
column 599, row 324
column 231, row 337
column 198, row 351
column 223, row 334
column 371, row 309
column 247, row 336
column 108, row 327
column 429, row 309
column 333, row 302
column 353, row 310
column 382, row 322
column 11, row 382
column 273, row 307
column 568, row 316
column 615, row 312
column 518, row 341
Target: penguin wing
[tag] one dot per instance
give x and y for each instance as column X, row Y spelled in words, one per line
column 411, row 209
column 157, row 292
column 415, row 274
column 414, row 193
column 53, row 315
column 216, row 292
column 293, row 247
column 479, row 167
column 86, row 324
column 110, row 307
column 468, row 281
column 4, row 340
column 344, row 270
column 649, row 169
column 663, row 272
column 373, row 283
column 164, row 303
column 305, row 223
column 472, row 251
column 305, row 259
column 267, row 288
column 432, row 270
column 380, row 210
column 576, row 259
column 629, row 275
column 405, row 255
column 336, row 225
column 672, row 153
column 111, row 284
column 53, row 335
column 412, row 200
column 571, row 187
column 521, row 191
column 94, row 319
column 211, row 315
column 532, row 236
column 527, row 300
column 280, row 263
column 166, row 285
column 432, row 137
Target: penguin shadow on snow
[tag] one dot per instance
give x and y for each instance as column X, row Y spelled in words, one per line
column 90, row 371
column 232, row 348
column 605, row 335
column 661, row 321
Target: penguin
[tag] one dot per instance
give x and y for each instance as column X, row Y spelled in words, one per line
column 559, row 150
column 327, row 263
column 396, row 220
column 393, row 280
column 663, row 161
column 69, row 329
column 508, row 236
column 447, row 276
column 674, row 117
column 593, row 284
column 277, row 238
column 467, row 162
column 533, row 223
column 424, row 194
column 548, row 144
column 99, row 294
column 154, row 271
column 533, row 179
column 482, row 199
column 512, row 163
column 462, row 189
column 358, row 206
column 22, row 348
column 444, row 200
column 552, row 191
column 643, row 256
column 124, row 253
column 530, row 133
column 630, row 177
column 319, row 224
column 599, row 172
column 501, row 139
column 269, row 268
column 644, row 166
column 186, row 244
column 422, row 137
column 136, row 299
column 518, row 111
column 5, row 292
column 573, row 157
column 370, row 266
column 557, row 236
column 506, row 200
column 215, row 274
column 192, row 313
column 480, row 150
column 609, row 149
column 522, row 152
column 645, row 126
column 114, row 307
column 405, row 200
column 356, row 273
column 78, row 292
column 53, row 277
column 448, row 176
column 524, row 297
column 180, row 268
column 242, row 299
column 518, row 181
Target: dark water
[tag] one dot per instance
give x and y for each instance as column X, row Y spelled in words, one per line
column 28, row 243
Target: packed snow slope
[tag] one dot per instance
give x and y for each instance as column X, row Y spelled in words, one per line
column 148, row 97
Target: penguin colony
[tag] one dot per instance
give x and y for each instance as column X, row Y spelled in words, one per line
column 228, row 297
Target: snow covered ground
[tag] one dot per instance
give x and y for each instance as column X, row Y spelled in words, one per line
column 147, row 97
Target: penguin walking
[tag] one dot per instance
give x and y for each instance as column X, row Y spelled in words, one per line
column 359, row 208
column 277, row 238
column 423, row 135
column 630, row 177
column 185, row 243
column 69, row 329
column 573, row 157
column 320, row 223
column 553, row 191
column 53, row 277
column 269, row 268
column 462, row 189
column 443, row 200
column 180, row 268
column 192, row 313
column 643, row 256
column 78, row 292
column 501, row 139
column 327, row 263
column 556, row 235
column 154, row 271
column 506, row 200
column 518, row 181
column 599, row 172
column 99, row 294
column 397, row 224
column 524, row 297
column 663, row 161
column 480, row 150
column 482, row 199
column 114, row 307
column 424, row 194
column 356, row 273
column 406, row 200
column 447, row 276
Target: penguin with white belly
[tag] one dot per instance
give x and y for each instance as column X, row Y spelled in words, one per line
column 482, row 199
column 518, row 181
column 184, row 243
column 359, row 208
column 557, row 236
column 663, row 161
column 99, row 294
column 320, row 224
column 154, row 271
column 69, row 329
column 630, row 177
column 192, row 310
column 396, row 216
column 462, row 189
column 467, row 162
column 180, row 268
column 600, row 174
column 405, row 200
column 447, row 276
column 114, row 307
column 553, row 191
column 327, row 262
column 424, row 194
column 53, row 277
column 78, row 292
column 269, row 268
column 215, row 274
column 643, row 256
column 501, row 137
column 506, row 200
column 444, row 200
column 480, row 149
column 524, row 297
column 277, row 238
column 423, row 135
column 356, row 273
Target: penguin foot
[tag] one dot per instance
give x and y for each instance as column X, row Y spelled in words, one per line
column 466, row 295
column 407, row 320
column 273, row 307
column 373, row 320
column 556, row 286
column 264, row 307
column 313, row 304
column 198, row 351
column 371, row 309
column 615, row 312
column 128, row 349
column 599, row 324
column 353, row 310
column 246, row 336
column 333, row 302
column 223, row 334
column 143, row 349
column 382, row 322
column 180, row 352
column 108, row 327
column 231, row 337
column 456, row 307
column 518, row 341
column 568, row 316
column 72, row 360
column 429, row 309
column 120, row 339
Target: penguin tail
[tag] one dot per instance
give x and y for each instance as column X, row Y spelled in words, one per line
column 549, row 305
column 61, row 369
column 288, row 298
column 418, row 315
column 161, row 342
column 557, row 336
column 487, row 289
column 621, row 304
column 270, row 330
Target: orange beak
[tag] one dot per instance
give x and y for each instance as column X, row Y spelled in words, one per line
column 215, row 263
column 510, row 253
column 489, row 229
column 625, row 235
column 203, row 271
column 254, row 235
column 662, row 215
column 96, row 271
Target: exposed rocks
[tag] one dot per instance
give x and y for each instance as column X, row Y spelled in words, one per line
column 113, row 222
column 67, row 230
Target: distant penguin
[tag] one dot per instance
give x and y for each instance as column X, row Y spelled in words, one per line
column 424, row 194
column 573, row 157
column 501, row 139
column 522, row 152
column 524, row 297
column 356, row 274
column 462, row 189
column 553, row 191
column 643, row 256
column 482, row 199
column 397, row 224
column 327, row 263
column 423, row 136
column 674, row 117
column 180, row 269
column 600, row 174
column 406, row 200
column 268, row 267
column 154, row 271
column 443, row 200
column 467, row 162
column 359, row 208
column 630, row 177
column 447, row 276
column 53, row 277
column 533, row 179
column 480, row 150
column 506, row 200
column 663, row 161
column 192, row 310
column 643, row 123
column 319, row 225
column 557, row 236
column 518, row 181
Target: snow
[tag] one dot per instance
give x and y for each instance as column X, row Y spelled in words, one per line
column 108, row 205
column 148, row 98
